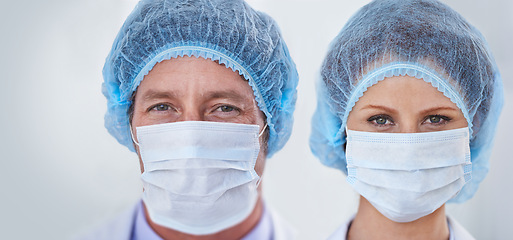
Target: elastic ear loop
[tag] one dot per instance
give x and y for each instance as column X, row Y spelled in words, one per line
column 259, row 135
column 262, row 132
column 132, row 135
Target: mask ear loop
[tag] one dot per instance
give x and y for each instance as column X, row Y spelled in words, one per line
column 258, row 181
column 136, row 143
column 259, row 135
column 262, row 132
column 132, row 135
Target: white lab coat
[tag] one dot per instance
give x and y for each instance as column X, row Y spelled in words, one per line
column 457, row 231
column 121, row 227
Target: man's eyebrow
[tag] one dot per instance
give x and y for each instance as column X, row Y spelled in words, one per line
column 152, row 94
column 231, row 94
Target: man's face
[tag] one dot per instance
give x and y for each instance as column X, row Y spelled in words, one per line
column 195, row 89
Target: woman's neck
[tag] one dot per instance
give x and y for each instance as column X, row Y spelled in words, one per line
column 371, row 224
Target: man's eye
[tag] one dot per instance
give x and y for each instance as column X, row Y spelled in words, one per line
column 224, row 111
column 160, row 107
column 226, row 108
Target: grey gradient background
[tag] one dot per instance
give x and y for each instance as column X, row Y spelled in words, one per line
column 62, row 173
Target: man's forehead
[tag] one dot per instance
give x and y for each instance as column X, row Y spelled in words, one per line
column 234, row 94
column 194, row 76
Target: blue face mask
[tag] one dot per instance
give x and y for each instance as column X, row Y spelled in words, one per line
column 406, row 176
column 199, row 177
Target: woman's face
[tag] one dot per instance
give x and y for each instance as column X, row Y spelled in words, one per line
column 404, row 104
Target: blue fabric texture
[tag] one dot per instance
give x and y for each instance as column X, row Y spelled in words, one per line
column 227, row 31
column 424, row 39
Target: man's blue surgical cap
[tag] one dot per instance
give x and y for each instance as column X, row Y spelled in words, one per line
column 227, row 31
column 424, row 39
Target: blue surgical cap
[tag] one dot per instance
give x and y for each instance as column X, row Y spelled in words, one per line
column 424, row 39
column 227, row 31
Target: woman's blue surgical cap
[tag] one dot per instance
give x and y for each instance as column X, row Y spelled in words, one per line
column 227, row 31
column 424, row 39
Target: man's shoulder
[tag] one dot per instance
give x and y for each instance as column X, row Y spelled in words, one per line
column 119, row 227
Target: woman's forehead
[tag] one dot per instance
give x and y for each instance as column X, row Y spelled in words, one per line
column 404, row 91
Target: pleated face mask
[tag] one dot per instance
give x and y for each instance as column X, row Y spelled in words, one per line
column 199, row 176
column 406, row 176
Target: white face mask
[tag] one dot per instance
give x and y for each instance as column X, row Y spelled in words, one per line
column 199, row 177
column 406, row 176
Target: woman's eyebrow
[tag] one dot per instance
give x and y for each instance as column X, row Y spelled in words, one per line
column 380, row 107
column 438, row 108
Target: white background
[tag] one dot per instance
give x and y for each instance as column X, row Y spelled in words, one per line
column 62, row 173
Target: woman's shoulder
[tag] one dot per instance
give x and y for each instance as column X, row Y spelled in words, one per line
column 458, row 232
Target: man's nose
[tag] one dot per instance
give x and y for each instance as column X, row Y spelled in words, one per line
column 191, row 115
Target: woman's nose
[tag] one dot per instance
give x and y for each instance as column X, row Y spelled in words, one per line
column 409, row 125
column 410, row 129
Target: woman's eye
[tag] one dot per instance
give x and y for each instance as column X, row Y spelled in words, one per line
column 381, row 120
column 437, row 119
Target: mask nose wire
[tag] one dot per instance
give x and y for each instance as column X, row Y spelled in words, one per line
column 136, row 143
column 132, row 135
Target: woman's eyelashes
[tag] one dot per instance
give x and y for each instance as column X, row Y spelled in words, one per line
column 436, row 120
column 381, row 120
